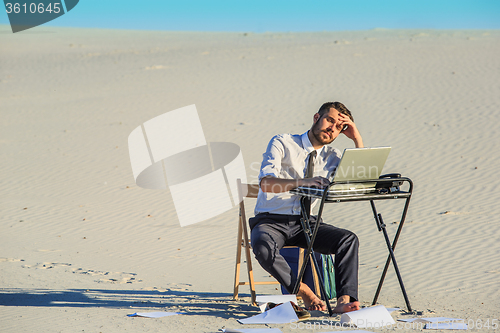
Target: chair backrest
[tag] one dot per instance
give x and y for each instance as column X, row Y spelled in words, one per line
column 247, row 190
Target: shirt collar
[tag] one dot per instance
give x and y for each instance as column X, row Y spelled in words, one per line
column 306, row 143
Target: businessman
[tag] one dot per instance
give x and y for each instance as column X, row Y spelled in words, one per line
column 293, row 160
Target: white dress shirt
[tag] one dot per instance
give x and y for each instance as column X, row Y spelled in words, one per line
column 285, row 158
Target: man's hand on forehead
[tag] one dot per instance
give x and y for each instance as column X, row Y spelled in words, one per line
column 350, row 130
column 344, row 120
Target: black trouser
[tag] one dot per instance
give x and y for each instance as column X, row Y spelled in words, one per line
column 270, row 232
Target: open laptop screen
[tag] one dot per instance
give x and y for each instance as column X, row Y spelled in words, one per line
column 360, row 164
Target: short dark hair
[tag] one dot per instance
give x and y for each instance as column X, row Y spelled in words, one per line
column 337, row 106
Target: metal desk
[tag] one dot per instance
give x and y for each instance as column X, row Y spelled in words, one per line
column 391, row 190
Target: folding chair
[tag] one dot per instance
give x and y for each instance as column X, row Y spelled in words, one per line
column 243, row 241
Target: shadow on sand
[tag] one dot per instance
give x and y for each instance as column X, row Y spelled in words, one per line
column 194, row 303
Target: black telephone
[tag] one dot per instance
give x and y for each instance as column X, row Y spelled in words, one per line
column 387, row 186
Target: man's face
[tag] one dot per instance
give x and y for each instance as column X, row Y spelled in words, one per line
column 326, row 127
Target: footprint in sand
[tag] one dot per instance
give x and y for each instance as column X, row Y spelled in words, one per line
column 110, row 277
column 454, row 213
column 47, row 265
column 10, row 259
column 119, row 278
column 107, row 277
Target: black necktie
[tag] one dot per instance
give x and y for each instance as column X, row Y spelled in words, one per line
column 309, row 174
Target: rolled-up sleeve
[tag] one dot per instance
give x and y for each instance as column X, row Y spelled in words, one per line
column 271, row 162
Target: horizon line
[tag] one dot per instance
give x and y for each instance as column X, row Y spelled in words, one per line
column 381, row 29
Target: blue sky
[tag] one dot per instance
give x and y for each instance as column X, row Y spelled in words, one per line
column 280, row 15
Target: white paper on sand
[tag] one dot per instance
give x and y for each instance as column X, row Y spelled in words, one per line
column 391, row 310
column 158, row 314
column 350, row 331
column 430, row 320
column 446, row 326
column 375, row 316
column 282, row 314
column 262, row 300
column 252, row 330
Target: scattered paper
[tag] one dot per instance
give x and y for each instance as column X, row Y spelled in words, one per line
column 154, row 314
column 282, row 314
column 430, row 320
column 350, row 331
column 251, row 330
column 391, row 310
column 446, row 326
column 262, row 300
column 376, row 316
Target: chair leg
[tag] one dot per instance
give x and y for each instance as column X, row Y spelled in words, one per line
column 317, row 291
column 248, row 257
column 301, row 256
column 238, row 260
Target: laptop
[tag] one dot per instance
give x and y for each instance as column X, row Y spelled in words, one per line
column 355, row 164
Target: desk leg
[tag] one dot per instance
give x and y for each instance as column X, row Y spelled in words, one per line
column 381, row 227
column 306, row 227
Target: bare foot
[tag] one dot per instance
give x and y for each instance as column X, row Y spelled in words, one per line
column 344, row 304
column 311, row 301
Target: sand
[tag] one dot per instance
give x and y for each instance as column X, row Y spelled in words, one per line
column 82, row 246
